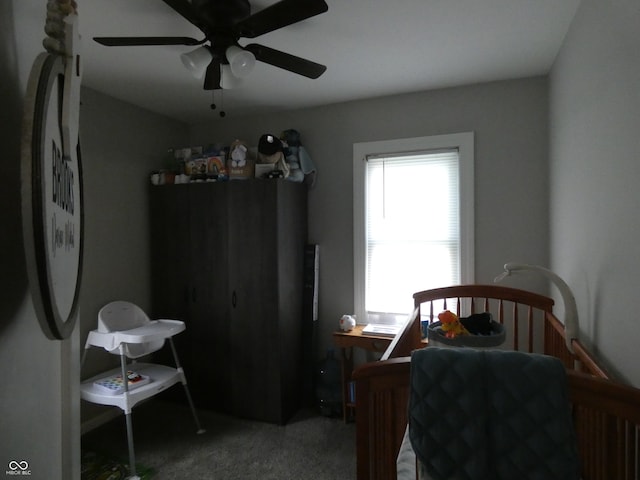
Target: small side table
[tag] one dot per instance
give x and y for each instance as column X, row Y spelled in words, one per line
column 346, row 341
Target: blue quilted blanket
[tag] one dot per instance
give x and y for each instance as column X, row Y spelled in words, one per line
column 491, row 415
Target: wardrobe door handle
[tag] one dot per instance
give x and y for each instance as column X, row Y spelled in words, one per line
column 234, row 299
column 193, row 295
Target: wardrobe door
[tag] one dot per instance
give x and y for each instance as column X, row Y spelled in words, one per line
column 292, row 237
column 253, row 299
column 208, row 293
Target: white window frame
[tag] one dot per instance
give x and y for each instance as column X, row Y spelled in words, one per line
column 464, row 143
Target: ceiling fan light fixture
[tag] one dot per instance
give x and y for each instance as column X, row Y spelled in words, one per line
column 197, row 61
column 240, row 60
column 222, row 27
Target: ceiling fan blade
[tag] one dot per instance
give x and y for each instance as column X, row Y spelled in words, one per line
column 212, row 75
column 278, row 15
column 185, row 8
column 286, row 61
column 142, row 41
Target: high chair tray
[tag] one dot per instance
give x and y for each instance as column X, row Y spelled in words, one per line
column 154, row 330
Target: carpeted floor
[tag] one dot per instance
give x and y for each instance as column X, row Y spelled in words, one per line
column 310, row 446
column 96, row 466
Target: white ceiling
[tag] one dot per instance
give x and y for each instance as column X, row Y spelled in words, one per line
column 370, row 47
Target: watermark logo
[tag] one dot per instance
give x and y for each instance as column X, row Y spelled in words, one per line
column 18, row 467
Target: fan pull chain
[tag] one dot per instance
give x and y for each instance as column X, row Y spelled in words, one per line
column 222, row 112
column 213, row 100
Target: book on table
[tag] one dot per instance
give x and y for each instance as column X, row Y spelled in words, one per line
column 382, row 330
column 114, row 385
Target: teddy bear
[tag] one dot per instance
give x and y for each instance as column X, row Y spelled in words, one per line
column 238, row 154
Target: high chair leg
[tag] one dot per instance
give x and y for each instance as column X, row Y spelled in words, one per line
column 186, row 388
column 132, row 456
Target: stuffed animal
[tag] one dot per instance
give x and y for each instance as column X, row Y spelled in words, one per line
column 238, row 154
column 270, row 151
column 347, row 322
column 302, row 168
column 451, row 325
column 241, row 162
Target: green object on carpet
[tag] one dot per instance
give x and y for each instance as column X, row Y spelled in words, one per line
column 100, row 467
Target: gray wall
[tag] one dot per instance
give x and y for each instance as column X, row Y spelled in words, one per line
column 39, row 398
column 594, row 172
column 121, row 144
column 510, row 124
column 39, row 417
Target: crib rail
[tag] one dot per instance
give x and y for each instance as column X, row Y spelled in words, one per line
column 606, row 413
column 580, row 360
column 606, row 416
column 382, row 396
column 521, row 312
column 527, row 317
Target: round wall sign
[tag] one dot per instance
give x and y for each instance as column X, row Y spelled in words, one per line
column 52, row 203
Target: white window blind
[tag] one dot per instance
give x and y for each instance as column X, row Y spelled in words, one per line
column 413, row 221
column 412, row 227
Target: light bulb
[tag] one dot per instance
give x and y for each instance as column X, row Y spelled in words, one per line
column 197, row 61
column 241, row 61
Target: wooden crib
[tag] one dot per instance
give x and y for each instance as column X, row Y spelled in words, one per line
column 606, row 412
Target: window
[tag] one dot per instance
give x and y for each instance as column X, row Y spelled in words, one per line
column 413, row 221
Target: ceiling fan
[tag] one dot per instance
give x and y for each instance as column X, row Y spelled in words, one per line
column 224, row 22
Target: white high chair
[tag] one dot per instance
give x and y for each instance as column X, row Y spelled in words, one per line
column 124, row 329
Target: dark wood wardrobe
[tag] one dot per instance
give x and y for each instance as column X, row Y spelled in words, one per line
column 227, row 258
